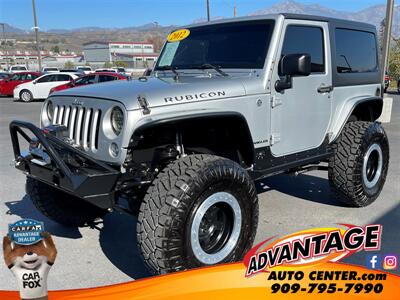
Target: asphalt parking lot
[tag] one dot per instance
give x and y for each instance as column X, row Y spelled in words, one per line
column 107, row 254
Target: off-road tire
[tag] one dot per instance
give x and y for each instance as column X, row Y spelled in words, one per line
column 61, row 207
column 28, row 96
column 172, row 201
column 346, row 166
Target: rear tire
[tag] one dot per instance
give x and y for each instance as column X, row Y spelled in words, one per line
column 61, row 207
column 358, row 170
column 25, row 96
column 200, row 210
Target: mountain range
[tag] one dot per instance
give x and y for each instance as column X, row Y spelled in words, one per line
column 374, row 15
column 72, row 39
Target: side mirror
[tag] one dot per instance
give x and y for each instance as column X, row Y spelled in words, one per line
column 147, row 72
column 292, row 65
column 34, row 81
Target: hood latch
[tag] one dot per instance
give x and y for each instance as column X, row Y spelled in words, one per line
column 144, row 104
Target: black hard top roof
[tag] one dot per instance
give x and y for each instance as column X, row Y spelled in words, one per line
column 337, row 22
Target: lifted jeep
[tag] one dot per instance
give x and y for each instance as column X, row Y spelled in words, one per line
column 228, row 102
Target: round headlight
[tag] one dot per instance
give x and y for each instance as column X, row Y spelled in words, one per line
column 117, row 120
column 50, row 111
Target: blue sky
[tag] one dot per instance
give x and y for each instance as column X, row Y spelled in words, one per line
column 68, row 14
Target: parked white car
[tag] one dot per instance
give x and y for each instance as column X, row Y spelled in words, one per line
column 84, row 69
column 17, row 69
column 119, row 70
column 50, row 70
column 106, row 70
column 40, row 87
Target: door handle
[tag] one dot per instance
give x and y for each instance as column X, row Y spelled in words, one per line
column 325, row 89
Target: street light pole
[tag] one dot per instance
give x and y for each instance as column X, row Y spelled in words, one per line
column 5, row 44
column 208, row 10
column 36, row 34
column 386, row 37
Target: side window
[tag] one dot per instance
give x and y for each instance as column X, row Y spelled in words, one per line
column 23, row 76
column 15, row 77
column 46, row 79
column 104, row 78
column 85, row 80
column 306, row 39
column 63, row 77
column 355, row 51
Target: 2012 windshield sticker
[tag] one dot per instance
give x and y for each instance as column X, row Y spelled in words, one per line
column 178, row 35
column 312, row 247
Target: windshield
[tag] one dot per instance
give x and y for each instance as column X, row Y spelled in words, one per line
column 18, row 68
column 50, row 69
column 84, row 68
column 241, row 45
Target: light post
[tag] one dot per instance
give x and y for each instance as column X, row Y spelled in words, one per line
column 208, row 10
column 386, row 37
column 5, row 44
column 36, row 28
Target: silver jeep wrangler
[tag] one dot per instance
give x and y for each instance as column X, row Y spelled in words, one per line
column 228, row 102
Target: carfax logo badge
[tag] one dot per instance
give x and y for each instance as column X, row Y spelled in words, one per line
column 26, row 232
column 312, row 247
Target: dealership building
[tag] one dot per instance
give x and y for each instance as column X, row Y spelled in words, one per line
column 130, row 52
column 30, row 59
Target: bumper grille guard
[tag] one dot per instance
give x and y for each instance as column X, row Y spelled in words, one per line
column 70, row 169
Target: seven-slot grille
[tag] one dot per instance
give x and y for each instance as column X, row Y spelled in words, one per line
column 83, row 124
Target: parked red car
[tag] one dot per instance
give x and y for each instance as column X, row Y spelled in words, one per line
column 89, row 79
column 8, row 84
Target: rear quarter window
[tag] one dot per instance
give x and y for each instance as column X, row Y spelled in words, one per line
column 356, row 51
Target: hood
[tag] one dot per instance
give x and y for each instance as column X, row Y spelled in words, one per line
column 25, row 84
column 161, row 91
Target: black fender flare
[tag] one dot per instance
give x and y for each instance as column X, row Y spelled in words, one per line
column 373, row 105
column 241, row 126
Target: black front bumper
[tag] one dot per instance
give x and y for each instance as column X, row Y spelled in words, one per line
column 67, row 168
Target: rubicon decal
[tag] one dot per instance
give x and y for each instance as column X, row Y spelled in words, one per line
column 199, row 96
column 311, row 247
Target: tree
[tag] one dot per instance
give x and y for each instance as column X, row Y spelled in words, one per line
column 55, row 49
column 107, row 64
column 381, row 34
column 69, row 65
column 157, row 42
column 121, row 64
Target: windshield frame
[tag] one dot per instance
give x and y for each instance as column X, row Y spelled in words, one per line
column 271, row 21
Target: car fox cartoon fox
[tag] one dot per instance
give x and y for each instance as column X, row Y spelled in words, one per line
column 30, row 265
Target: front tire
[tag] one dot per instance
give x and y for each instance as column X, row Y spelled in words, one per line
column 358, row 170
column 61, row 207
column 25, row 96
column 200, row 210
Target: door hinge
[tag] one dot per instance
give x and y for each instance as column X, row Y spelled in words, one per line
column 274, row 138
column 275, row 101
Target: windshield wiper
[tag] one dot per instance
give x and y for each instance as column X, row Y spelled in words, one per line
column 169, row 68
column 216, row 68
